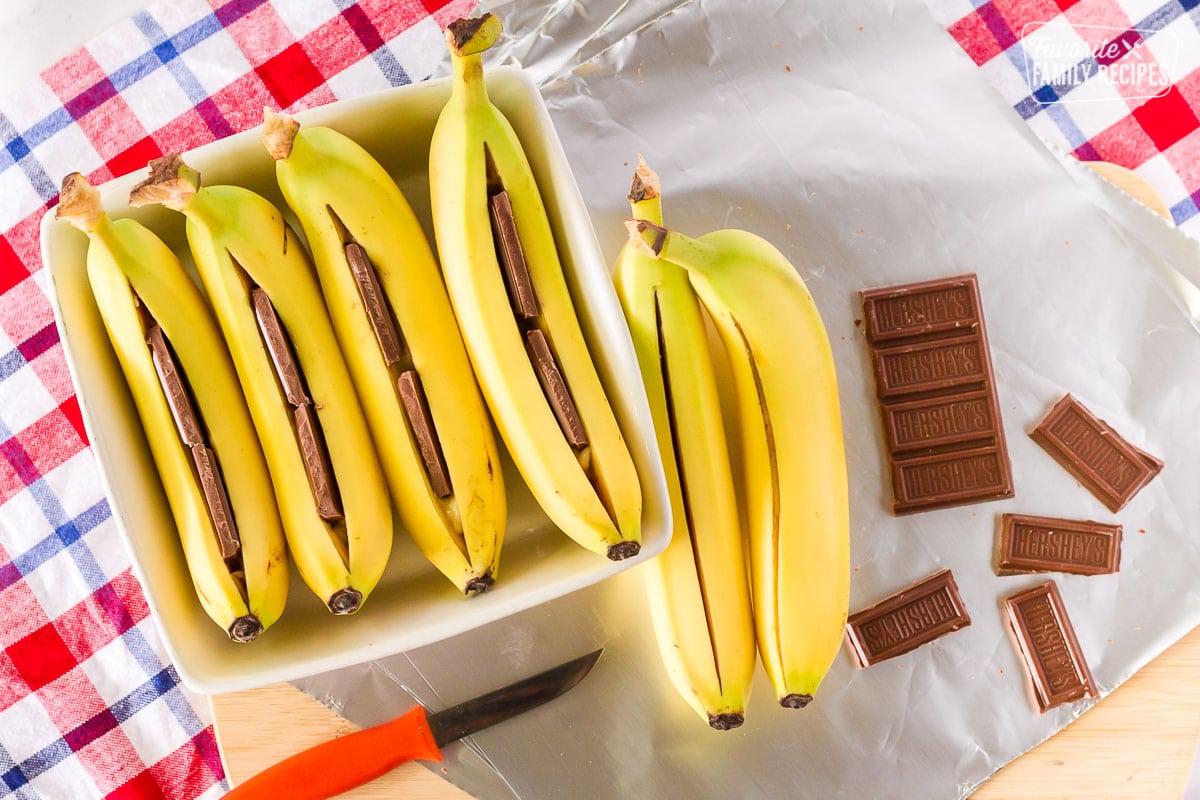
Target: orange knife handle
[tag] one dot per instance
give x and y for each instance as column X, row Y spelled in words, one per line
column 339, row 765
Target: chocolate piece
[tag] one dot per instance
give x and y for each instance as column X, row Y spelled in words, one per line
column 280, row 349
column 937, row 394
column 512, row 257
column 921, row 309
column 317, row 464
column 216, row 499
column 178, row 399
column 1048, row 544
column 1053, row 659
column 555, row 388
column 928, row 367
column 949, row 479
column 1096, row 455
column 420, row 420
column 908, row 619
column 939, row 422
column 374, row 303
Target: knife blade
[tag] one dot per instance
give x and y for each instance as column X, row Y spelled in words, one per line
column 336, row 766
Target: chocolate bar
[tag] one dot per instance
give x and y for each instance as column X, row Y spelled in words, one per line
column 555, row 388
column 316, row 463
column 1053, row 658
column 217, row 500
column 929, row 367
column 924, row 309
column 936, row 391
column 937, row 422
column 1026, row 543
column 1096, row 455
column 512, row 257
column 178, row 399
column 903, row 622
column 374, row 303
column 279, row 348
column 416, row 407
column 947, row 479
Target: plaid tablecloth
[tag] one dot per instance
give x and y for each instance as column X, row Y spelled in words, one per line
column 89, row 707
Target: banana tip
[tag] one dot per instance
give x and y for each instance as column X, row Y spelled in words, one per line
column 623, row 550
column 795, row 700
column 646, row 237
column 279, row 133
column 79, row 203
column 171, row 183
column 646, row 185
column 726, row 722
column 479, row 584
column 467, row 37
column 345, row 601
column 245, row 628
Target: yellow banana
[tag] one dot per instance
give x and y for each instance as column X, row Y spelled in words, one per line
column 793, row 458
column 697, row 588
column 138, row 282
column 529, row 353
column 339, row 539
column 344, row 198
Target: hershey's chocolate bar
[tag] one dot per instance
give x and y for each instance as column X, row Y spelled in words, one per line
column 921, row 309
column 420, row 420
column 937, row 422
column 512, row 257
column 555, row 388
column 279, row 348
column 931, row 366
column 1027, row 543
column 948, row 479
column 937, row 394
column 316, row 463
column 213, row 487
column 1096, row 455
column 178, row 399
column 375, row 304
column 908, row 619
column 1053, row 658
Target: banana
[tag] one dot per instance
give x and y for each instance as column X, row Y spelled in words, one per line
column 697, row 588
column 138, row 284
column 334, row 502
column 361, row 229
column 793, row 458
column 529, row 352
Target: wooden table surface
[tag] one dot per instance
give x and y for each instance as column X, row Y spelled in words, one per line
column 1136, row 743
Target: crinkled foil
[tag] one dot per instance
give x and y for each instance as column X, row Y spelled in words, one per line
column 861, row 141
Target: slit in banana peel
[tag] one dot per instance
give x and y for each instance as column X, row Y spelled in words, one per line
column 697, row 588
column 395, row 324
column 332, row 497
column 509, row 293
column 796, row 502
column 201, row 436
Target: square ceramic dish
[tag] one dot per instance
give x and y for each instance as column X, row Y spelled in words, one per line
column 413, row 605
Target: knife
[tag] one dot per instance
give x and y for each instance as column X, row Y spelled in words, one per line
column 339, row 765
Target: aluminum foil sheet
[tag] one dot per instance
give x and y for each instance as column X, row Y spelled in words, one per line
column 861, row 141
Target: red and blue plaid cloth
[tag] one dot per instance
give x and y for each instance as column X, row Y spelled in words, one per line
column 1104, row 80
column 89, row 706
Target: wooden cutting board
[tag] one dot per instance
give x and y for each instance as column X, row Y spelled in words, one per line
column 1137, row 743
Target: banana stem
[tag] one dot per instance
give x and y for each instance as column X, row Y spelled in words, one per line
column 469, row 88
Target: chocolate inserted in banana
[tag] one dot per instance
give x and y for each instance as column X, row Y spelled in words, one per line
column 512, row 257
column 416, row 408
column 217, row 500
column 390, row 342
column 180, row 403
column 279, row 347
column 555, row 388
column 317, row 464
